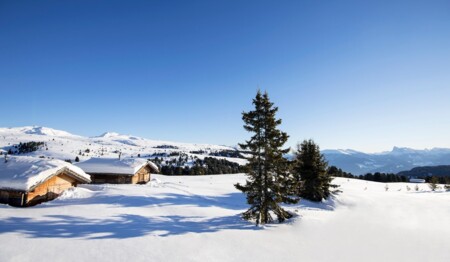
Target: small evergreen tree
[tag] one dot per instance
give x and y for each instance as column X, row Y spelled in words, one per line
column 268, row 179
column 77, row 159
column 433, row 183
column 310, row 172
column 447, row 187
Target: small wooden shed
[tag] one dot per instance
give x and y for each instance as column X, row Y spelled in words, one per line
column 118, row 171
column 27, row 181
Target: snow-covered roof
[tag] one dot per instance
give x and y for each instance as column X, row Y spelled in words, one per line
column 417, row 180
column 24, row 173
column 125, row 166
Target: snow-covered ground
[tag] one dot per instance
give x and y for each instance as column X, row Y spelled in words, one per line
column 197, row 219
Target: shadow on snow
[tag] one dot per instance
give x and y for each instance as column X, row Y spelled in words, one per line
column 131, row 225
column 325, row 205
column 119, row 227
column 233, row 201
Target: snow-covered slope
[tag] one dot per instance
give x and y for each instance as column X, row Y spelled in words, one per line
column 198, row 219
column 42, row 131
column 63, row 145
column 399, row 159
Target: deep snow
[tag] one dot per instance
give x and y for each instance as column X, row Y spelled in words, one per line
column 197, row 219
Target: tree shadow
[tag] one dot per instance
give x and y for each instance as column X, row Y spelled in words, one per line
column 232, row 201
column 325, row 205
column 429, row 192
column 119, row 227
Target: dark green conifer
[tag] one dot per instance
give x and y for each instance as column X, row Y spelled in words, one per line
column 433, row 184
column 310, row 172
column 268, row 181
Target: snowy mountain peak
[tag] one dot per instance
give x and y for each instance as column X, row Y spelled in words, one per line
column 109, row 135
column 402, row 150
column 37, row 130
column 117, row 136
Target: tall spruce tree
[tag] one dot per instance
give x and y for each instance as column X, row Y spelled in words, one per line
column 310, row 172
column 268, row 182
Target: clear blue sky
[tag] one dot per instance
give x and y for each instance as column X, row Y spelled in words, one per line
column 366, row 75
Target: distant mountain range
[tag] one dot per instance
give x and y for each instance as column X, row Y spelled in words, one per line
column 399, row 159
column 63, row 145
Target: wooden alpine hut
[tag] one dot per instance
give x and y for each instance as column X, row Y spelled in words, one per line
column 118, row 171
column 27, row 181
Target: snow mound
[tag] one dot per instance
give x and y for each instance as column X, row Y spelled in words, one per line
column 76, row 193
column 155, row 182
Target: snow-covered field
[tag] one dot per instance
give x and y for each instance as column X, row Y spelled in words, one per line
column 197, row 219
